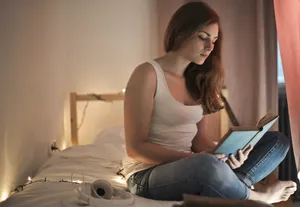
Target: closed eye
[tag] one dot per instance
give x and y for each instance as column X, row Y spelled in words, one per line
column 207, row 39
column 202, row 38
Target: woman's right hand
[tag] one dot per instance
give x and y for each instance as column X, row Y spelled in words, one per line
column 221, row 157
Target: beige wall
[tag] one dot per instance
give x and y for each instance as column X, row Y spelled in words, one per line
column 50, row 48
column 166, row 8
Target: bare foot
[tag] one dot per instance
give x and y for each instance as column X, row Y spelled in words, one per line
column 274, row 193
column 280, row 191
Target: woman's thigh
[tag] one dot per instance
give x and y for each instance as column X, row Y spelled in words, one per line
column 201, row 174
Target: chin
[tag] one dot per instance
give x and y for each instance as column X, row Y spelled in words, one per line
column 199, row 61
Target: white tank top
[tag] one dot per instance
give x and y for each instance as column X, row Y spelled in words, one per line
column 173, row 124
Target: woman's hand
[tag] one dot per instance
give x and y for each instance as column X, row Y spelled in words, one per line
column 243, row 155
column 221, row 157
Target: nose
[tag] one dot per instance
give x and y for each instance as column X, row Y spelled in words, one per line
column 209, row 45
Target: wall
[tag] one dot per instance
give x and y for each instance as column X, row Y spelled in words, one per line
column 51, row 48
column 166, row 8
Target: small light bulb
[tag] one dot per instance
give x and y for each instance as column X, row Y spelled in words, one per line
column 4, row 196
column 77, row 181
column 123, row 90
column 29, row 178
column 120, row 180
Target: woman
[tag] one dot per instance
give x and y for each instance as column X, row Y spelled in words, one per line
column 166, row 102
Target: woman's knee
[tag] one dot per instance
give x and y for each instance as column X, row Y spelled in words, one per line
column 217, row 176
column 281, row 140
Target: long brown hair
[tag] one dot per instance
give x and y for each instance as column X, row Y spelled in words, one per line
column 204, row 82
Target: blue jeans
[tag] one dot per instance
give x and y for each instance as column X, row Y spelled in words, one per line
column 206, row 175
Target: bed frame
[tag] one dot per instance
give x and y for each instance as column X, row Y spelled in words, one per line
column 223, row 116
column 74, row 98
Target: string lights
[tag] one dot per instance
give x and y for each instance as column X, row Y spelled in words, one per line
column 21, row 187
column 29, row 182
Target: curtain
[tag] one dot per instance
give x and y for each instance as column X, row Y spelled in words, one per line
column 287, row 15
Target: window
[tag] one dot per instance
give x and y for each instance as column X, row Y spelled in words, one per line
column 280, row 76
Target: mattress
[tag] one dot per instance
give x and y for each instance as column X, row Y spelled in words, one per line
column 52, row 184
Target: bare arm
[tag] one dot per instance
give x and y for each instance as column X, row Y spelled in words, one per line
column 201, row 141
column 138, row 106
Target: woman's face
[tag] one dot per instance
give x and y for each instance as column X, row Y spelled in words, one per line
column 199, row 46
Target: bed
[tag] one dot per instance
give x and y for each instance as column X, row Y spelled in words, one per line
column 56, row 181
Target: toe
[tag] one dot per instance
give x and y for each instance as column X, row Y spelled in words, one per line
column 290, row 191
column 285, row 197
column 292, row 184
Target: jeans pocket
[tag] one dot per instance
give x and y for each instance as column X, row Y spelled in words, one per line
column 136, row 188
column 131, row 185
column 138, row 178
column 138, row 182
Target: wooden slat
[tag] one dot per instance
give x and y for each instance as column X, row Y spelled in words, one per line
column 73, row 118
column 100, row 97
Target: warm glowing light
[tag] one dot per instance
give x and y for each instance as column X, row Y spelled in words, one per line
column 4, row 196
column 123, row 90
column 29, row 178
column 120, row 180
column 77, row 181
column 64, row 145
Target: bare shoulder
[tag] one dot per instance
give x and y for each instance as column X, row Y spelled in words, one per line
column 144, row 71
column 143, row 77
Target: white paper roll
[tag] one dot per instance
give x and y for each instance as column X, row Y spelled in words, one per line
column 102, row 189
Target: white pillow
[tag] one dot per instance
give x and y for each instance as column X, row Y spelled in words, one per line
column 111, row 143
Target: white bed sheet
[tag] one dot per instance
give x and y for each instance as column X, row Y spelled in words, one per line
column 86, row 164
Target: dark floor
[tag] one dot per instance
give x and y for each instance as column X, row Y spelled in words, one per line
column 296, row 204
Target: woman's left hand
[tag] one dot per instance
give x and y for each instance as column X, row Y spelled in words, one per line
column 243, row 155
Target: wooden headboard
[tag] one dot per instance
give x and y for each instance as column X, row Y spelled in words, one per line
column 74, row 98
column 222, row 118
